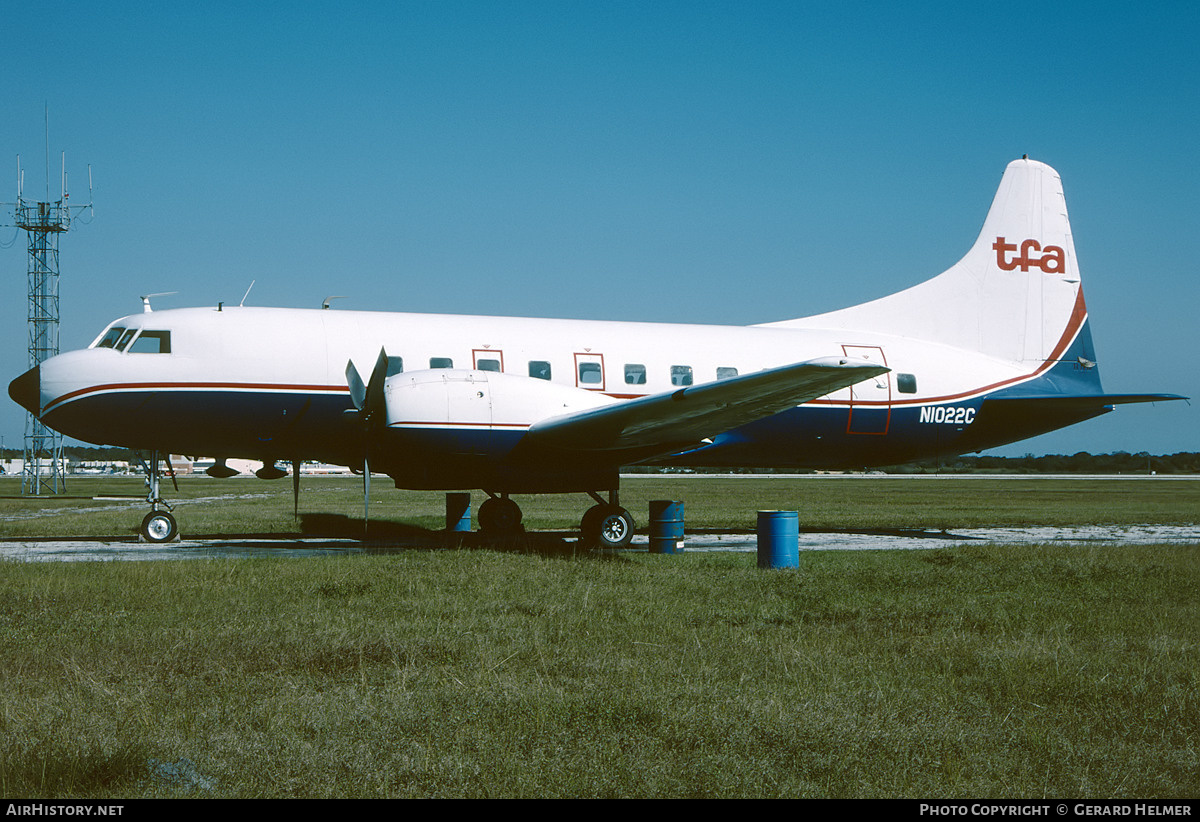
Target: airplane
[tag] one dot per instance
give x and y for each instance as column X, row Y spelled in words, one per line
column 993, row 350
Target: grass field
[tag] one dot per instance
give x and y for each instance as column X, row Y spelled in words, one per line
column 980, row 671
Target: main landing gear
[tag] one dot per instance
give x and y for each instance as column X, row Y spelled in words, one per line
column 605, row 525
column 499, row 515
column 159, row 525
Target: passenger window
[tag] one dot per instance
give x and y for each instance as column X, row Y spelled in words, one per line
column 152, row 342
column 110, row 339
column 441, row 362
column 635, row 374
column 681, row 375
column 125, row 338
column 906, row 383
column 488, row 365
column 724, row 373
column 590, row 373
column 539, row 369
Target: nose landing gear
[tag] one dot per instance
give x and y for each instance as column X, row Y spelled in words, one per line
column 159, row 525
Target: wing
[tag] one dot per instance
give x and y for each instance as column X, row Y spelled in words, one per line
column 662, row 423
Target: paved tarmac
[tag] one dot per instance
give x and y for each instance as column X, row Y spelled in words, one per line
column 80, row 550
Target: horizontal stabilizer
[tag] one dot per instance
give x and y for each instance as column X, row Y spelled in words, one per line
column 684, row 417
column 1011, row 418
column 1079, row 402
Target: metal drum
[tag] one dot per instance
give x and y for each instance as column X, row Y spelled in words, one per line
column 458, row 512
column 666, row 526
column 778, row 539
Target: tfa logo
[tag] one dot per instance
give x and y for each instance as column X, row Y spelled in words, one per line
column 1052, row 261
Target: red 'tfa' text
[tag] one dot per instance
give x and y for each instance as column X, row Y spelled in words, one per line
column 1051, row 261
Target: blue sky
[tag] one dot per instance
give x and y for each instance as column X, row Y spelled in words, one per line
column 731, row 162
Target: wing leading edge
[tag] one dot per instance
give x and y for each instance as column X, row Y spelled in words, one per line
column 666, row 422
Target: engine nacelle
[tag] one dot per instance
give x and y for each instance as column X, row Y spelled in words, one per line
column 480, row 400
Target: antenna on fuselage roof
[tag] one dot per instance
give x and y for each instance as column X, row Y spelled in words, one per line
column 247, row 294
column 146, row 309
column 328, row 300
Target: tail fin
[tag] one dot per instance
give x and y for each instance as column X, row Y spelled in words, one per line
column 1016, row 295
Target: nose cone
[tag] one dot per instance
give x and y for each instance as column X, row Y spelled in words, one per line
column 26, row 390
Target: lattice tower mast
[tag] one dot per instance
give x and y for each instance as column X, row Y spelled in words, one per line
column 43, row 221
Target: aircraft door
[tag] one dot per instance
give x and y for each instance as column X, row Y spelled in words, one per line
column 487, row 359
column 870, row 400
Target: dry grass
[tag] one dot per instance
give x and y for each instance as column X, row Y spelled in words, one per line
column 980, row 671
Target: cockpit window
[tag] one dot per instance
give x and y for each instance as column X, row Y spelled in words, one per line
column 152, row 342
column 110, row 339
column 125, row 338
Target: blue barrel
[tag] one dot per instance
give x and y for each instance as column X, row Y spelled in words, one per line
column 666, row 526
column 458, row 511
column 778, row 539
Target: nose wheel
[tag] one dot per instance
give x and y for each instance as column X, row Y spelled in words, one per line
column 159, row 526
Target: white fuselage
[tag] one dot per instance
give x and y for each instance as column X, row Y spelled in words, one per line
column 270, row 384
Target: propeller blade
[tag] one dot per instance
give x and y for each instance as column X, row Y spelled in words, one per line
column 369, row 397
column 366, row 493
column 296, row 488
column 358, row 391
column 375, row 399
column 371, row 401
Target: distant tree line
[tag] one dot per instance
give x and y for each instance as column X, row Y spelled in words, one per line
column 1119, row 462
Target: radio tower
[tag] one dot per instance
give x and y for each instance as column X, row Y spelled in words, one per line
column 43, row 222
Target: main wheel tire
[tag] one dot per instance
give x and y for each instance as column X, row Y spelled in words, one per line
column 607, row 526
column 499, row 515
column 159, row 526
